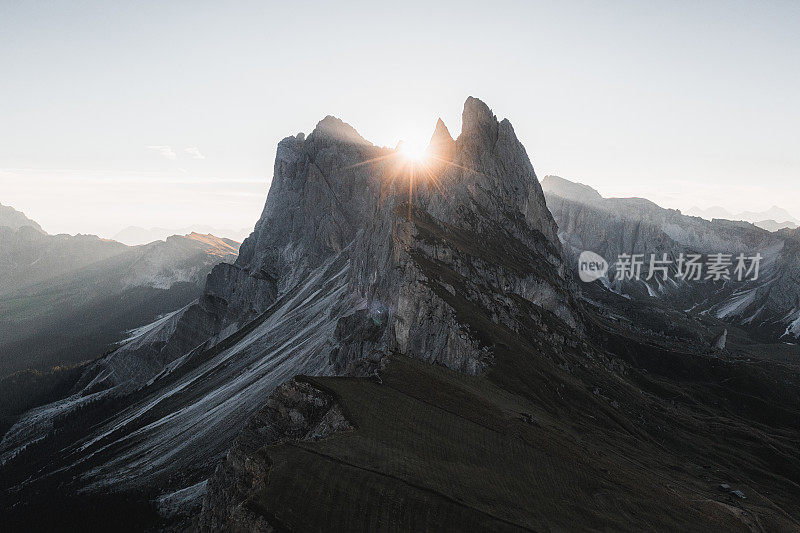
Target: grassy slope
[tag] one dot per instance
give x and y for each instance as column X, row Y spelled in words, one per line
column 439, row 451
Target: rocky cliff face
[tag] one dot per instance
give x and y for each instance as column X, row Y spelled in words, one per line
column 614, row 226
column 416, row 447
column 359, row 254
column 295, row 411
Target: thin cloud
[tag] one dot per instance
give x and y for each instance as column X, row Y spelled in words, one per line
column 194, row 152
column 164, row 151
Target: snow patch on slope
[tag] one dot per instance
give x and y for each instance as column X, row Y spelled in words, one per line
column 182, row 500
column 142, row 335
column 793, row 328
column 737, row 303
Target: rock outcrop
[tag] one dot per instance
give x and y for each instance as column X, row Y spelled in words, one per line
column 359, row 253
column 295, row 411
column 721, row 340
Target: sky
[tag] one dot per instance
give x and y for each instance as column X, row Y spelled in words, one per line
column 167, row 113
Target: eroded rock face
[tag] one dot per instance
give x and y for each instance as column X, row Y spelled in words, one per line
column 359, row 254
column 334, row 193
column 295, row 411
column 428, row 247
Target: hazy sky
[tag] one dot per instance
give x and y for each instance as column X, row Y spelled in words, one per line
column 167, row 113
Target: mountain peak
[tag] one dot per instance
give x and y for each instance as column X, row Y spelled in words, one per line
column 570, row 189
column 335, row 128
column 215, row 245
column 14, row 219
column 441, row 144
column 477, row 118
column 441, row 132
column 347, row 264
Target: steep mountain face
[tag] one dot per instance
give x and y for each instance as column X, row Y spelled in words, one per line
column 358, row 254
column 400, row 346
column 781, row 297
column 614, row 226
column 551, row 422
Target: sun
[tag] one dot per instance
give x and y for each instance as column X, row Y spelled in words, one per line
column 413, row 150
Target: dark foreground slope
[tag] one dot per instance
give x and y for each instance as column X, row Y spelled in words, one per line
column 623, row 431
column 433, row 450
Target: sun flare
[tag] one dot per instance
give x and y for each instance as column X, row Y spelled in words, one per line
column 413, row 150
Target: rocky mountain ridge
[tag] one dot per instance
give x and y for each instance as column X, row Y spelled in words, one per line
column 136, row 235
column 774, row 213
column 401, row 345
column 614, row 226
column 66, row 300
column 11, row 218
column 359, row 253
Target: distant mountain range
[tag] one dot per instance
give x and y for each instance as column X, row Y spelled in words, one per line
column 773, row 219
column 11, row 218
column 772, row 225
column 66, row 299
column 613, row 226
column 51, row 284
column 135, row 235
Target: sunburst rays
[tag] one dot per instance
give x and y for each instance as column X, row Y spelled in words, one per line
column 399, row 172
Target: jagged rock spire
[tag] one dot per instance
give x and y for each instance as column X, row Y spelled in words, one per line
column 477, row 120
column 441, row 145
column 489, row 166
column 440, row 134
